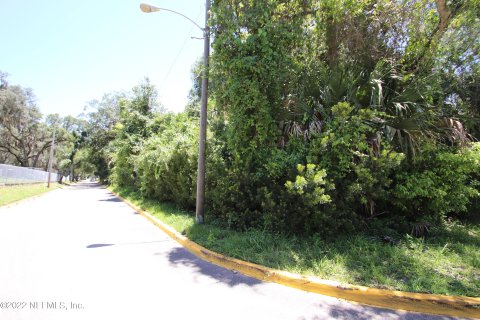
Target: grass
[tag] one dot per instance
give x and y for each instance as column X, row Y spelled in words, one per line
column 448, row 262
column 9, row 194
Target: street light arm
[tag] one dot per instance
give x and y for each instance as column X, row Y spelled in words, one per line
column 149, row 9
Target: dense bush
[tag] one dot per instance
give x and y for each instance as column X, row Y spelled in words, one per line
column 123, row 173
column 436, row 184
column 131, row 132
column 338, row 182
column 166, row 166
column 250, row 198
column 361, row 175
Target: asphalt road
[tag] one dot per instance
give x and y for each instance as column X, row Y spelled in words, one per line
column 80, row 253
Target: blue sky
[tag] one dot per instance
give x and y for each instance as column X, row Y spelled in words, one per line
column 70, row 52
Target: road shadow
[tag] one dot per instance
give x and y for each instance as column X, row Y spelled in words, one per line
column 364, row 312
column 102, row 245
column 111, row 198
column 85, row 185
column 99, row 245
column 181, row 256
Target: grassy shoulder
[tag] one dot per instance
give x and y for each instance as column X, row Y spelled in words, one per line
column 9, row 194
column 448, row 262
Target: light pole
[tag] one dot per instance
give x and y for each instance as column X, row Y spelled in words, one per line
column 199, row 213
column 51, row 159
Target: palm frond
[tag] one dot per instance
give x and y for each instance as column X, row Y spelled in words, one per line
column 453, row 130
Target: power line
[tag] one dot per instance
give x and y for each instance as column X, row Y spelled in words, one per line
column 178, row 55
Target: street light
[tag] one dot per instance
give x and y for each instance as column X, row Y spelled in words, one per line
column 199, row 213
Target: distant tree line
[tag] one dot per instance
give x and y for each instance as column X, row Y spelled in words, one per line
column 26, row 136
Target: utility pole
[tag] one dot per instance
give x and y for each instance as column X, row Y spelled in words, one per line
column 200, row 205
column 51, row 159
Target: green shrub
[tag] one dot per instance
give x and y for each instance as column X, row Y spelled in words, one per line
column 473, row 213
column 136, row 113
column 361, row 177
column 348, row 183
column 437, row 183
column 309, row 185
column 167, row 164
column 123, row 173
column 240, row 194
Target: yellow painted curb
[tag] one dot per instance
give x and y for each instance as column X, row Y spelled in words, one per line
column 418, row 302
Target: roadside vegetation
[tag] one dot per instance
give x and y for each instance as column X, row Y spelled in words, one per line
column 343, row 141
column 9, row 194
column 447, row 262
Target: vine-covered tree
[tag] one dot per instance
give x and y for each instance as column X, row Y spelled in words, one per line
column 360, row 89
column 131, row 131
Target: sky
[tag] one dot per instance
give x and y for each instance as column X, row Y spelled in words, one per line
column 71, row 52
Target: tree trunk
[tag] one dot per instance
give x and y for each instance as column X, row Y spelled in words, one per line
column 37, row 156
column 445, row 15
column 332, row 43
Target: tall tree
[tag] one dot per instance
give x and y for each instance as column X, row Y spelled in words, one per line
column 135, row 113
column 22, row 134
column 101, row 131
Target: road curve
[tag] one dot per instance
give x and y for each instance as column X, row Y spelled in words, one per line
column 81, row 253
